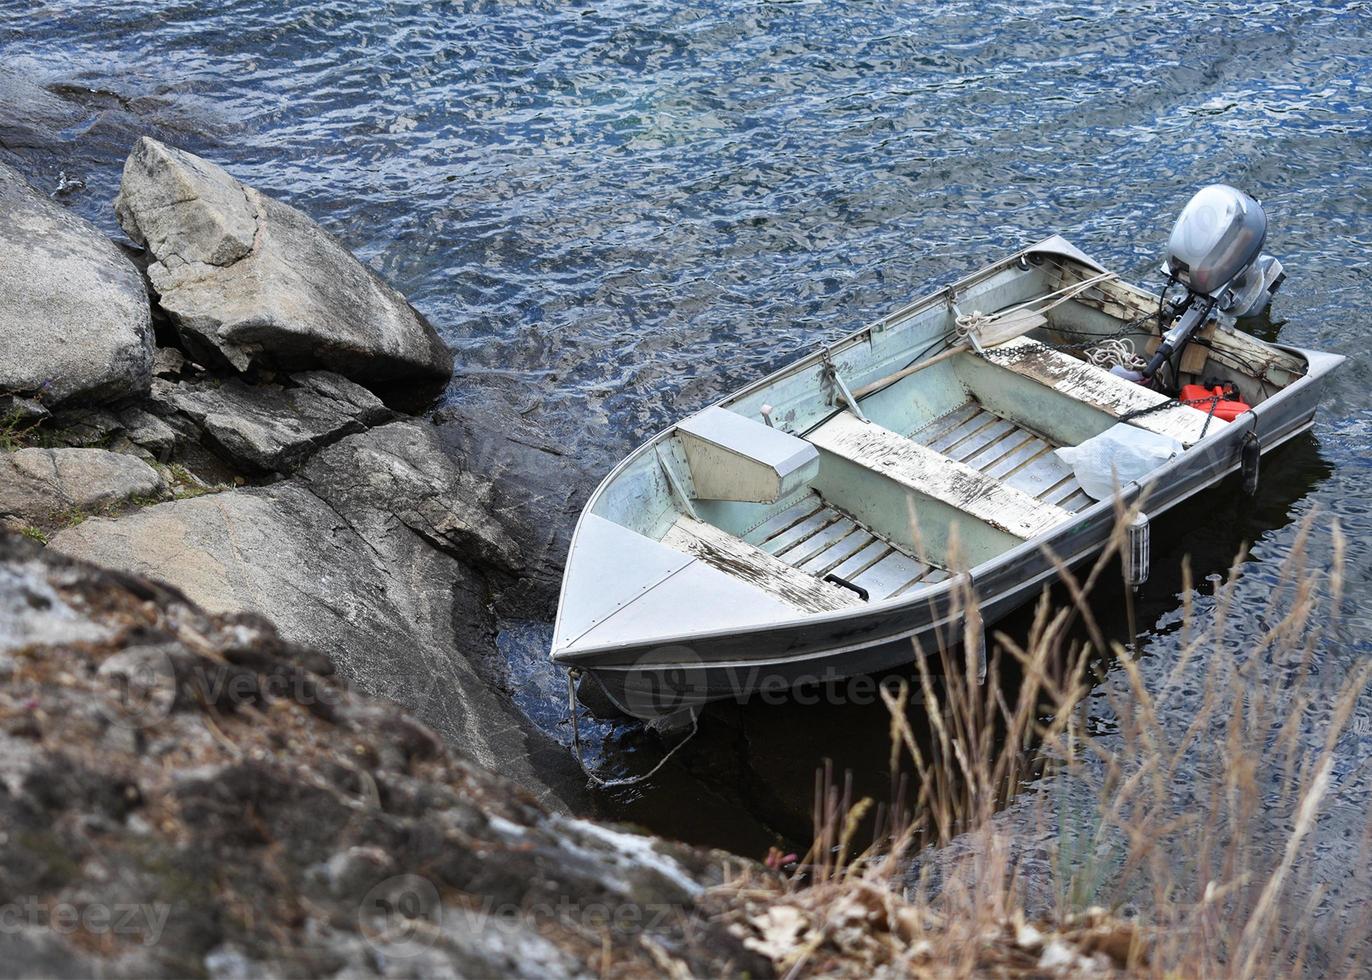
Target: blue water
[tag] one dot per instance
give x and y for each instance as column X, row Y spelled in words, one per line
column 615, row 212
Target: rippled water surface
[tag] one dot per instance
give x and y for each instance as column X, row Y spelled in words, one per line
column 616, row 212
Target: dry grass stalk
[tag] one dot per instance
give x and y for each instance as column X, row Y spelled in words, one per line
column 1181, row 818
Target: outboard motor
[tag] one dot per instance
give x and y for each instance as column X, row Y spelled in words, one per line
column 1215, row 251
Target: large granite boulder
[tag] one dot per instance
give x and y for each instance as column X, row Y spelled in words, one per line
column 266, row 427
column 399, row 474
column 41, row 487
column 198, row 796
column 74, row 318
column 403, row 619
column 249, row 281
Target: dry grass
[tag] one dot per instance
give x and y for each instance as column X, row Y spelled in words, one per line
column 1096, row 811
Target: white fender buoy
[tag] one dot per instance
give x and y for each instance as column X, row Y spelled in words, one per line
column 1136, row 553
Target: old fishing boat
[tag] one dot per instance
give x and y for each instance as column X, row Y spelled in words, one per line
column 815, row 523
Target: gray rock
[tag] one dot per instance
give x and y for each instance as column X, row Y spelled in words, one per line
column 75, row 322
column 248, row 830
column 148, row 431
column 74, row 426
column 168, row 362
column 270, row 426
column 16, row 410
column 399, row 472
column 397, row 613
column 31, row 113
column 42, row 486
column 537, row 494
column 27, row 950
column 249, row 281
column 33, row 613
column 186, row 210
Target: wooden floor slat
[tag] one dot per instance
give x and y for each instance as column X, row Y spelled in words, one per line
column 945, row 424
column 798, row 532
column 799, row 554
column 887, row 576
column 1005, row 451
column 864, row 559
column 792, row 515
column 840, row 551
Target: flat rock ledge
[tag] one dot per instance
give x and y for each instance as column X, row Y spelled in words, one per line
column 268, row 427
column 212, row 800
column 251, row 282
column 378, row 552
column 43, row 488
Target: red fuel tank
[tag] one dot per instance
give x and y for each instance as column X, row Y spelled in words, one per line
column 1198, row 396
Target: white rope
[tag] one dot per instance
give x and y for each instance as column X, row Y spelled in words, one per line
column 1069, row 291
column 966, row 324
column 1116, row 351
column 628, row 780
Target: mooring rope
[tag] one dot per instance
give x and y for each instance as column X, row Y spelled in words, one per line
column 627, row 780
column 966, row 323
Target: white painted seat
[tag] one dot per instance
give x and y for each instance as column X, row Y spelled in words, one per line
column 1102, row 390
column 934, row 475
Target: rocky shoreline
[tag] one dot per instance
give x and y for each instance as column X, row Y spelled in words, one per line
column 220, row 417
column 224, row 404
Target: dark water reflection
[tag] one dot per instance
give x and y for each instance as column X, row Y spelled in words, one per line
column 615, row 212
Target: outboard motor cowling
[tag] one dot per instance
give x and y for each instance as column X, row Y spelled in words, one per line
column 1215, row 251
column 1218, row 235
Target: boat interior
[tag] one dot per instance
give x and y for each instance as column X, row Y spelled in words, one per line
column 838, row 482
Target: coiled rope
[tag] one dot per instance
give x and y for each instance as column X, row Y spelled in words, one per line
column 1116, row 352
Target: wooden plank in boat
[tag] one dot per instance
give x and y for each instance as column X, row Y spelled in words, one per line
column 755, row 567
column 932, row 474
column 944, row 424
column 841, row 550
column 991, row 456
column 1062, row 491
column 891, row 575
column 799, row 531
column 961, row 433
column 800, row 553
column 864, row 559
column 1078, row 501
column 794, row 514
column 973, row 445
column 1100, row 389
column 1040, row 475
column 1023, row 455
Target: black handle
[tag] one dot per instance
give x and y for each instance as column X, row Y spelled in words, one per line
column 1159, row 359
column 838, row 580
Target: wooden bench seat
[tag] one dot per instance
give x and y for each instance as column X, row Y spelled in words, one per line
column 934, row 475
column 749, row 563
column 1102, row 390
